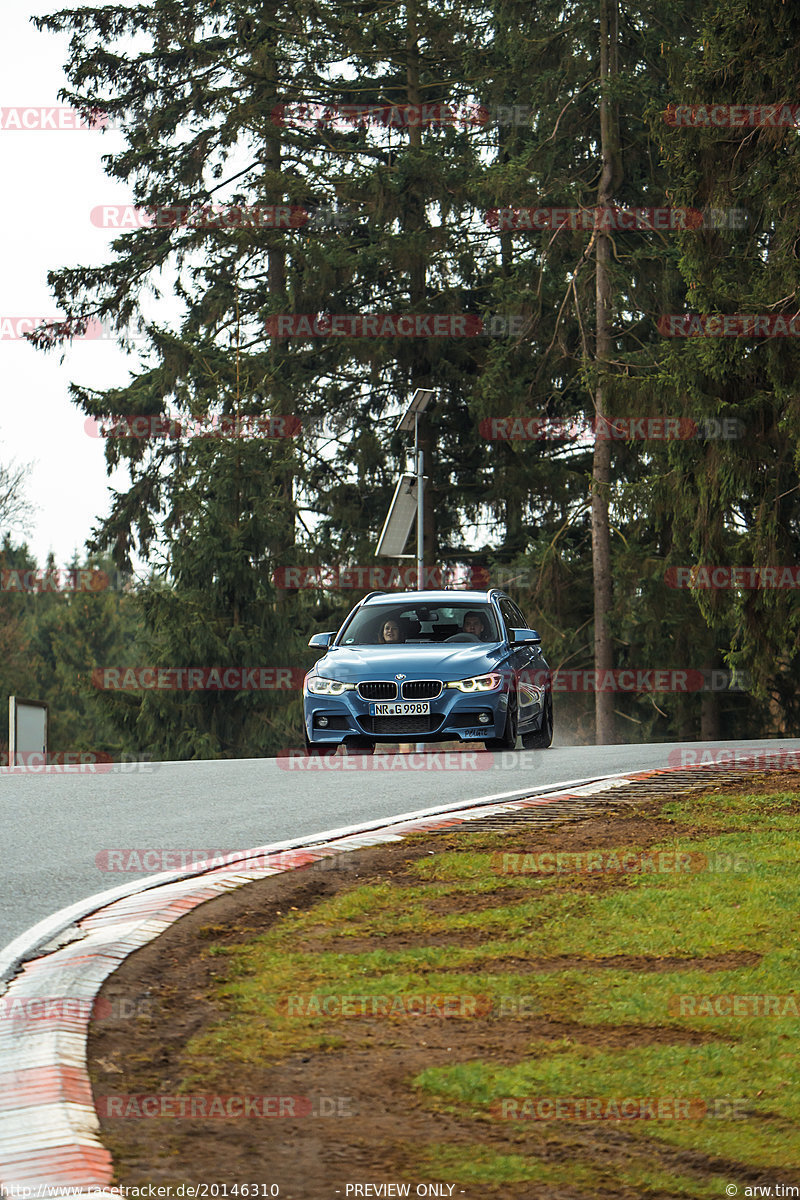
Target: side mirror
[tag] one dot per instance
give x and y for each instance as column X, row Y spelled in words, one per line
column 321, row 641
column 525, row 636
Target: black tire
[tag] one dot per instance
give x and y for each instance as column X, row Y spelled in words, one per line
column 542, row 738
column 509, row 739
column 320, row 749
column 356, row 746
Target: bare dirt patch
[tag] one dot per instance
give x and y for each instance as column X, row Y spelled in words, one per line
column 616, row 962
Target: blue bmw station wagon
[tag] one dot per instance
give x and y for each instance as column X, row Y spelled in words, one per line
column 429, row 667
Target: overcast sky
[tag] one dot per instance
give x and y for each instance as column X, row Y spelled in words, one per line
column 52, row 180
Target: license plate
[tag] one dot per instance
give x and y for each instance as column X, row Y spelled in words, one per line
column 408, row 708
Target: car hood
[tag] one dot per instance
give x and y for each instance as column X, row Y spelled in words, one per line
column 445, row 662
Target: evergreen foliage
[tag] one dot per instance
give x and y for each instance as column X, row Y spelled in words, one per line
column 232, row 104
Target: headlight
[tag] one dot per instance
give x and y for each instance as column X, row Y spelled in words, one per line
column 480, row 683
column 318, row 686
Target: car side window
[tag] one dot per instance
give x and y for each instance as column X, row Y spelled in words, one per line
column 508, row 615
column 523, row 622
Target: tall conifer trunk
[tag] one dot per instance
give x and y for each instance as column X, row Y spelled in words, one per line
column 284, row 544
column 601, row 463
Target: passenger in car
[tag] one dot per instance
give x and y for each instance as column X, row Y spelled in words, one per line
column 475, row 623
column 391, row 631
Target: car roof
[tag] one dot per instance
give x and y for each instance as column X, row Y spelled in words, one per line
column 427, row 597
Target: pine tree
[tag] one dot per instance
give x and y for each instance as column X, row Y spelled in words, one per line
column 738, row 500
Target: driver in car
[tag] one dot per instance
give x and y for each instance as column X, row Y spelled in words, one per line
column 391, row 631
column 475, row 623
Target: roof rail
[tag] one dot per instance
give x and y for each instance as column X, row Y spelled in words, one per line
column 369, row 595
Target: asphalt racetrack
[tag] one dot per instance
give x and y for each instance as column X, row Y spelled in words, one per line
column 58, row 828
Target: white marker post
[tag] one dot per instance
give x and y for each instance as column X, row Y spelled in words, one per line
column 27, row 730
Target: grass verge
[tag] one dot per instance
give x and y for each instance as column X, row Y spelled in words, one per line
column 509, row 1011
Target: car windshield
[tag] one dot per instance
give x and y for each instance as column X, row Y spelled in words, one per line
column 420, row 624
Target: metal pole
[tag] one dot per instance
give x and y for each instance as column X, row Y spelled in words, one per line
column 420, row 527
column 420, row 746
column 420, row 518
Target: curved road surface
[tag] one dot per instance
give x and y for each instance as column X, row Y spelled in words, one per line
column 55, row 826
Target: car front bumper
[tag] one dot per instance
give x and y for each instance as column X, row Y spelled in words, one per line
column 454, row 716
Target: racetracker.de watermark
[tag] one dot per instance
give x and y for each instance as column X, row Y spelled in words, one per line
column 211, row 1106
column 385, row 578
column 291, row 218
column 434, row 760
column 697, row 756
column 403, row 1005
column 158, row 859
column 336, row 116
column 428, row 760
column 43, row 1010
column 77, row 762
column 729, row 325
column 645, row 679
column 23, row 328
column 198, row 679
column 393, row 325
column 735, row 1004
column 50, row 118
column 61, row 579
column 218, row 216
column 615, row 862
column 618, row 1108
column 158, row 427
column 727, row 578
column 621, row 429
column 241, row 679
column 532, row 219
column 732, row 116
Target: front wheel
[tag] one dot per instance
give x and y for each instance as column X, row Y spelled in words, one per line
column 542, row 738
column 357, row 746
column 509, row 739
column 320, row 749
